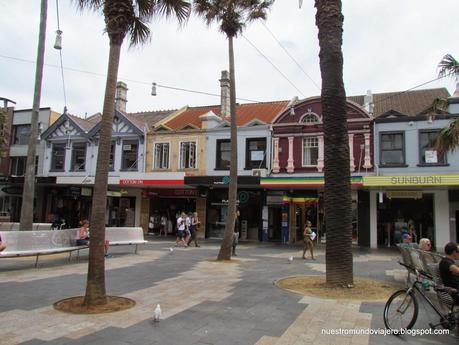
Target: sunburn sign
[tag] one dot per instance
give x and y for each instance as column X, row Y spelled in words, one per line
column 412, row 180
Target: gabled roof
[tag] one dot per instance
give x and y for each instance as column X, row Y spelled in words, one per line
column 264, row 112
column 83, row 126
column 138, row 125
column 407, row 102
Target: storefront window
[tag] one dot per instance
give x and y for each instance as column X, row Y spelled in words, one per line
column 310, row 151
column 58, row 157
column 78, row 156
column 223, row 154
column 161, row 156
column 392, row 148
column 255, row 153
column 428, row 154
column 130, row 150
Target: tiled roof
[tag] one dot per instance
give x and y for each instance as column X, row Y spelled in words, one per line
column 245, row 113
column 407, row 102
column 84, row 124
column 152, row 117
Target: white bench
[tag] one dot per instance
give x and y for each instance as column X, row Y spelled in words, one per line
column 125, row 236
column 13, row 226
column 36, row 243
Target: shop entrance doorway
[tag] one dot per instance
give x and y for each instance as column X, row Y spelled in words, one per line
column 397, row 216
column 274, row 223
column 170, row 208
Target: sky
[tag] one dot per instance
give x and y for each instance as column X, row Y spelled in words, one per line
column 388, row 46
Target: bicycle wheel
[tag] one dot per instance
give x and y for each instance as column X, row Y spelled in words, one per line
column 401, row 311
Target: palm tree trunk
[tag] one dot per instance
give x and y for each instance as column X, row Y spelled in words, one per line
column 337, row 192
column 28, row 193
column 95, row 286
column 225, row 249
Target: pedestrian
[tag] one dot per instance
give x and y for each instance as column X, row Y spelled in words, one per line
column 449, row 270
column 187, row 228
column 163, row 226
column 181, row 230
column 308, row 238
column 236, row 233
column 195, row 223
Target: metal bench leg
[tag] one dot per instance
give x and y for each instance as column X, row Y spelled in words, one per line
column 70, row 256
column 78, row 255
column 36, row 261
column 136, row 248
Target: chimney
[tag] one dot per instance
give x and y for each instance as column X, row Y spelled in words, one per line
column 225, row 94
column 121, row 96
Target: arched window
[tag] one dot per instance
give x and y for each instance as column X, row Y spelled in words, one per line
column 310, row 117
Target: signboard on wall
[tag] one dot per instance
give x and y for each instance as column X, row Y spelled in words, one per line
column 412, row 180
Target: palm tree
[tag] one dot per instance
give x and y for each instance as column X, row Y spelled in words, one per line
column 28, row 192
column 448, row 138
column 232, row 16
column 122, row 17
column 337, row 190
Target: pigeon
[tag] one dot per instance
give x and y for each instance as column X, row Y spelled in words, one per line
column 290, row 259
column 171, row 250
column 157, row 313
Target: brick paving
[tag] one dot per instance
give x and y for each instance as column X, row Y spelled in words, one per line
column 203, row 302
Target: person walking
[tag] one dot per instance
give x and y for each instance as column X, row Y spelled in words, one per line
column 181, row 230
column 236, row 233
column 193, row 228
column 308, row 238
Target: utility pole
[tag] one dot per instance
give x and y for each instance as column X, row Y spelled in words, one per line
column 28, row 193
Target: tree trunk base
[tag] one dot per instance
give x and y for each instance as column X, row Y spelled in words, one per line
column 75, row 305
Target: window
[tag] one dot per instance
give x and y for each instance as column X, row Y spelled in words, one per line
column 78, row 157
column 427, row 152
column 310, row 118
column 188, row 155
column 111, row 162
column 21, row 134
column 310, row 151
column 392, row 148
column 161, row 156
column 255, row 153
column 223, row 154
column 58, row 157
column 18, row 165
column 130, row 150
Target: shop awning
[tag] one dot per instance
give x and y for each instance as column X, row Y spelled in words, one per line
column 287, row 182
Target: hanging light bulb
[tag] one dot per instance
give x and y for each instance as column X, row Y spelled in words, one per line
column 58, row 42
column 153, row 89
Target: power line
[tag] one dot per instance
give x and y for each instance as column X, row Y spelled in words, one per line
column 291, row 57
column 128, row 80
column 272, row 64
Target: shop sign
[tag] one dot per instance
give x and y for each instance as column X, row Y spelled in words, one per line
column 412, row 180
column 142, row 182
column 274, row 199
column 113, row 193
column 170, row 192
column 404, row 194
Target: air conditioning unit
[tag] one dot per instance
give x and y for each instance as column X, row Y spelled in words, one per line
column 259, row 172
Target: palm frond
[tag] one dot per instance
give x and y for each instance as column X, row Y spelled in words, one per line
column 94, row 5
column 440, row 105
column 139, row 32
column 448, row 138
column 448, row 66
column 178, row 8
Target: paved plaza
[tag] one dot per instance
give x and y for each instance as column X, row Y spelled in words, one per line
column 203, row 302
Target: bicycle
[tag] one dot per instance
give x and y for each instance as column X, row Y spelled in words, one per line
column 402, row 307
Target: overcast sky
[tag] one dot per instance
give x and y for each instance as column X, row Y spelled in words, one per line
column 389, row 45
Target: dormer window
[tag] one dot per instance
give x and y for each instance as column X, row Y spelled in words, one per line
column 310, row 117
